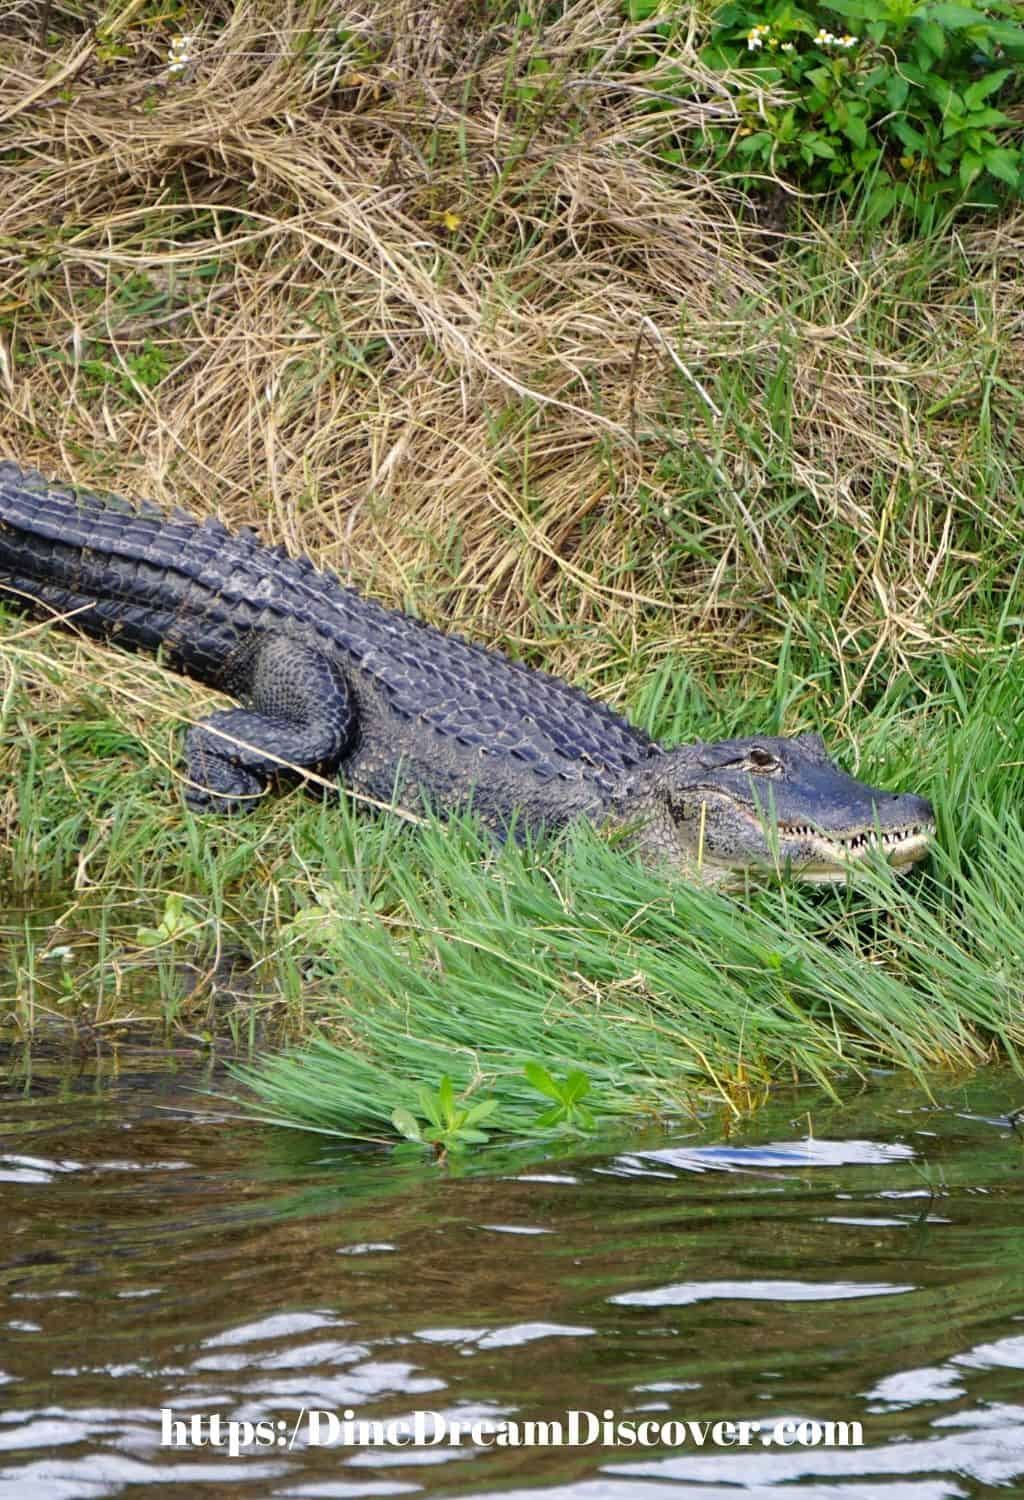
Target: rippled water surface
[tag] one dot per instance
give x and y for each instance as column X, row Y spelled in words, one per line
column 859, row 1264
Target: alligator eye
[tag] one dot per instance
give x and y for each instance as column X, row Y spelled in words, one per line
column 761, row 760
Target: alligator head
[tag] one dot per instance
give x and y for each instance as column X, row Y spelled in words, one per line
column 719, row 811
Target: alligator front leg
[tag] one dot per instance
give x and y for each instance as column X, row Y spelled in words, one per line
column 299, row 715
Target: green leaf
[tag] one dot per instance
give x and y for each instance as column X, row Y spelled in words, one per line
column 909, row 136
column 719, row 57
column 576, row 1086
column 856, row 131
column 914, row 74
column 1004, row 164
column 896, row 91
column 542, row 1081
column 976, row 93
column 820, row 148
column 786, row 128
column 478, row 1112
column 756, row 142
column 446, row 1097
column 971, row 167
column 406, row 1124
column 407, row 1151
column 1006, row 35
column 933, row 37
column 856, row 10
column 957, row 17
column 171, row 924
column 553, row 1116
column 468, row 1137
column 429, row 1107
column 943, row 95
column 881, row 202
column 984, row 119
column 866, row 158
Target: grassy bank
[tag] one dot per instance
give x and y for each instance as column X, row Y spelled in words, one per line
column 477, row 342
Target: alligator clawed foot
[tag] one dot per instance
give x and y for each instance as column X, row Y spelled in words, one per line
column 214, row 785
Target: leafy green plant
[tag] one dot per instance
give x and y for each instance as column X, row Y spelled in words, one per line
column 172, row 924
column 451, row 1124
column 149, row 365
column 567, row 1094
column 907, row 100
column 145, row 367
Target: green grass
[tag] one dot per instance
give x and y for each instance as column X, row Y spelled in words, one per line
column 502, row 365
column 450, row 960
column 396, row 956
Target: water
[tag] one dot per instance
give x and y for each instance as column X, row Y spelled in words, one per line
column 157, row 1254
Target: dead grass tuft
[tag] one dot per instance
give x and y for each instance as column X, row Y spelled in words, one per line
column 453, row 327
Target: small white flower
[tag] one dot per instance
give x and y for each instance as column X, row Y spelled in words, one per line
column 180, row 54
column 788, row 47
column 754, row 43
column 847, row 41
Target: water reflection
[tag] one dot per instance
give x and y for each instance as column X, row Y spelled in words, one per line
column 871, row 1270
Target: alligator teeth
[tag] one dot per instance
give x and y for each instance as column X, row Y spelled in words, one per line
column 886, row 840
column 855, row 841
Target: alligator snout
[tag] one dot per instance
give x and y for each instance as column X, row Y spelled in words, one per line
column 772, row 803
column 913, row 809
column 904, row 811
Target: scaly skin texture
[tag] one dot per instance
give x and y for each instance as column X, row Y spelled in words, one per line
column 333, row 683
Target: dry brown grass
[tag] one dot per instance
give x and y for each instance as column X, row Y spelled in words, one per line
column 487, row 355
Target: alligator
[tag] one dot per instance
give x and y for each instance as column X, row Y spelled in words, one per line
column 332, row 684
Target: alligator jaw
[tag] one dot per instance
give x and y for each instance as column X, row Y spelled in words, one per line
column 833, row 858
column 814, row 858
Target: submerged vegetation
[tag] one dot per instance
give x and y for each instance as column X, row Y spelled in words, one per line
column 439, row 297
